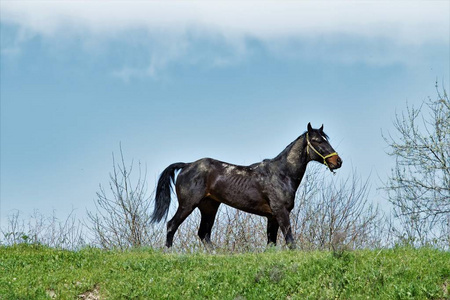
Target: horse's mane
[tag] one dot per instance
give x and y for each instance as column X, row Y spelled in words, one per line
column 288, row 147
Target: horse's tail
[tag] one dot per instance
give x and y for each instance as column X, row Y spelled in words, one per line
column 163, row 190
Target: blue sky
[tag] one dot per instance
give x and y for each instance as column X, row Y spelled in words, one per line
column 183, row 80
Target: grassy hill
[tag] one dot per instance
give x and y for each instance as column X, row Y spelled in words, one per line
column 36, row 272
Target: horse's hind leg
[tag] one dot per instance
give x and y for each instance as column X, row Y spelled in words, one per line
column 208, row 209
column 182, row 213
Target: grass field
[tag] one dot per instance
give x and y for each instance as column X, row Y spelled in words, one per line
column 36, row 272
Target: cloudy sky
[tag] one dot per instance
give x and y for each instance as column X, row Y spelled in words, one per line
column 177, row 81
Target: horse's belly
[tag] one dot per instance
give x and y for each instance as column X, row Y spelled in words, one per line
column 241, row 193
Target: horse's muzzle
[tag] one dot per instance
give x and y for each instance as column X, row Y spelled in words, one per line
column 334, row 162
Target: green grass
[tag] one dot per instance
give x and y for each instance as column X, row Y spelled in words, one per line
column 36, row 272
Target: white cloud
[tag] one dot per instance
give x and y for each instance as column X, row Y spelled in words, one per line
column 408, row 21
column 172, row 25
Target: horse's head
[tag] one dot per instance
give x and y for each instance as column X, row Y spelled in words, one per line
column 319, row 149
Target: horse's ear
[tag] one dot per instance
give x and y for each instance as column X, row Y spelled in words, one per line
column 309, row 127
column 321, row 128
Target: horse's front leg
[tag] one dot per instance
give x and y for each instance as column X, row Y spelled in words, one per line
column 282, row 216
column 272, row 230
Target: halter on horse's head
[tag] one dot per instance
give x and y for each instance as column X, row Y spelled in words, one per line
column 322, row 151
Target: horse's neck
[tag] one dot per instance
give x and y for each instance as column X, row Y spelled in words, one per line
column 293, row 160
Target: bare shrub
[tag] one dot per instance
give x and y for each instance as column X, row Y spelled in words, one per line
column 419, row 185
column 44, row 230
column 234, row 231
column 122, row 218
column 334, row 216
column 240, row 231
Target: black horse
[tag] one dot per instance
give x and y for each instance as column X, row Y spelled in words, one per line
column 266, row 188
